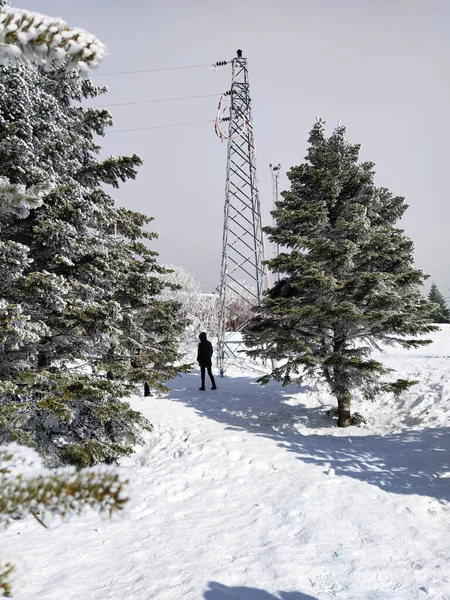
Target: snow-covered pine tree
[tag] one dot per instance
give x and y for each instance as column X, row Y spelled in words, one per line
column 242, row 303
column 183, row 288
column 84, row 280
column 440, row 312
column 349, row 281
column 209, row 309
column 25, row 485
column 198, row 309
column 26, row 35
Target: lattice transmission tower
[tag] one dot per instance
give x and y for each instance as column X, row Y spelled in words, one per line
column 243, row 275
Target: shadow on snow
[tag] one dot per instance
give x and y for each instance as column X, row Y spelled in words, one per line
column 410, row 462
column 217, row 591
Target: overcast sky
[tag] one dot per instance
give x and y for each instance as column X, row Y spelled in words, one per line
column 381, row 67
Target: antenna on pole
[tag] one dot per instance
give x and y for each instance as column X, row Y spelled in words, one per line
column 274, row 188
column 243, row 277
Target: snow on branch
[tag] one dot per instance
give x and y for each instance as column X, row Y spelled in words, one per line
column 27, row 487
column 31, row 36
column 18, row 200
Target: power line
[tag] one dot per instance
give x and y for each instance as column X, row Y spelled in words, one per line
column 424, row 266
column 159, row 100
column 150, row 70
column 160, row 126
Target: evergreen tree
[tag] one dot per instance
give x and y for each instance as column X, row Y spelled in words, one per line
column 25, row 486
column 82, row 297
column 29, row 36
column 348, row 281
column 440, row 312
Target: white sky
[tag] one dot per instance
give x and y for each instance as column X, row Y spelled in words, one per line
column 382, row 68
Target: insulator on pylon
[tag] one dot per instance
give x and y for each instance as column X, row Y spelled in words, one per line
column 219, row 63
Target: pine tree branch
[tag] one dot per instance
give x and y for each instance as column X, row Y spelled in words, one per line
column 59, row 491
column 39, row 520
column 26, row 487
column 34, row 37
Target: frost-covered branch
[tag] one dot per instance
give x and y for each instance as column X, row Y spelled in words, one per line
column 31, row 36
column 18, row 200
column 27, row 487
column 6, row 572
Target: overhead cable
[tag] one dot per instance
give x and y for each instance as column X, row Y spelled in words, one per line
column 158, row 100
column 159, row 126
column 150, row 70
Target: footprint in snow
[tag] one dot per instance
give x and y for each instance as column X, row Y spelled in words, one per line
column 198, row 472
column 220, row 492
column 234, row 455
column 262, row 465
column 181, row 496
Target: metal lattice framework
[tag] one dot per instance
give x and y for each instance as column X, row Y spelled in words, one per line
column 243, row 276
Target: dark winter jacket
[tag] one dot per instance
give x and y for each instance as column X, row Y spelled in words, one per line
column 205, row 351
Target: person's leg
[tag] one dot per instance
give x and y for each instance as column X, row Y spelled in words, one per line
column 211, row 376
column 146, row 389
column 202, row 372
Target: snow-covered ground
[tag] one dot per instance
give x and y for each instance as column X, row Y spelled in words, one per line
column 252, row 493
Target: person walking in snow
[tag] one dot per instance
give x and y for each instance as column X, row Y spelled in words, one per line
column 204, row 359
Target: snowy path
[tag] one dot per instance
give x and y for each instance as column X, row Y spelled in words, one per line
column 252, row 494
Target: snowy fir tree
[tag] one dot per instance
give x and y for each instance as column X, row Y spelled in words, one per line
column 348, row 280
column 80, row 292
column 198, row 309
column 26, row 35
column 440, row 312
column 26, row 486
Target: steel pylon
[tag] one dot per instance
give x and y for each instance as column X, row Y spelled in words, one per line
column 243, row 275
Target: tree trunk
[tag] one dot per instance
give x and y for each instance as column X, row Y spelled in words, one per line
column 344, row 401
column 43, row 360
column 328, row 377
column 341, row 387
